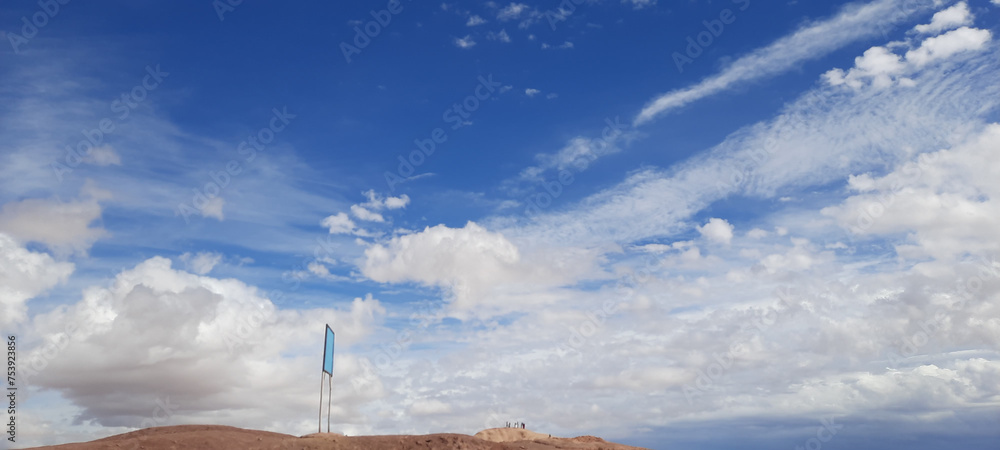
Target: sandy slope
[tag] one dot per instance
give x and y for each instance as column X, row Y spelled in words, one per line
column 230, row 438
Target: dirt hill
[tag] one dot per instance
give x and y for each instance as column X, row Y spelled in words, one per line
column 230, row 438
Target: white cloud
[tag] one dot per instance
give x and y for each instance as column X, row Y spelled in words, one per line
column 829, row 342
column 397, row 202
column 765, row 158
column 361, row 213
column 853, row 23
column 25, row 275
column 339, row 224
column 532, row 92
column 320, row 270
column 474, row 20
column 501, row 36
column 202, row 262
column 377, row 203
column 563, row 46
column 639, row 4
column 953, row 17
column 217, row 349
column 429, row 408
column 878, row 64
column 511, row 11
column 65, row 227
column 368, row 211
column 956, row 41
column 478, row 268
column 468, row 259
column 717, row 230
column 944, row 202
column 465, row 42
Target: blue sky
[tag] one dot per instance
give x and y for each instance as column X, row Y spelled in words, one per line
column 705, row 224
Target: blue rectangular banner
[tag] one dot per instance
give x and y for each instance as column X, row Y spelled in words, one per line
column 328, row 351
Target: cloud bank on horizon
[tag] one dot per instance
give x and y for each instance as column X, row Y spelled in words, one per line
column 797, row 233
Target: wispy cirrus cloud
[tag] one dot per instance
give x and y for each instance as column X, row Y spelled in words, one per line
column 812, row 41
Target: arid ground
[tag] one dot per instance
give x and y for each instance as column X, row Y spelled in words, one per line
column 231, row 438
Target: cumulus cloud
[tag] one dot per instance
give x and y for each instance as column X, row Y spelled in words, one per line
column 465, row 42
column 955, row 16
column 878, row 64
column 530, row 92
column 717, row 230
column 468, row 259
column 364, row 214
column 218, row 351
column 396, row 202
column 64, row 227
column 339, row 224
column 368, row 211
column 24, row 275
column 956, row 41
column 880, row 68
column 476, row 267
column 944, row 201
column 501, row 36
column 564, row 46
column 474, row 20
column 511, row 11
column 319, row 269
column 202, row 262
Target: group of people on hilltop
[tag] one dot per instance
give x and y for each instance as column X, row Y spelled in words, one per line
column 515, row 425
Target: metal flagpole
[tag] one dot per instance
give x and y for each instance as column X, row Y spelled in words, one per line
column 329, row 401
column 319, row 424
